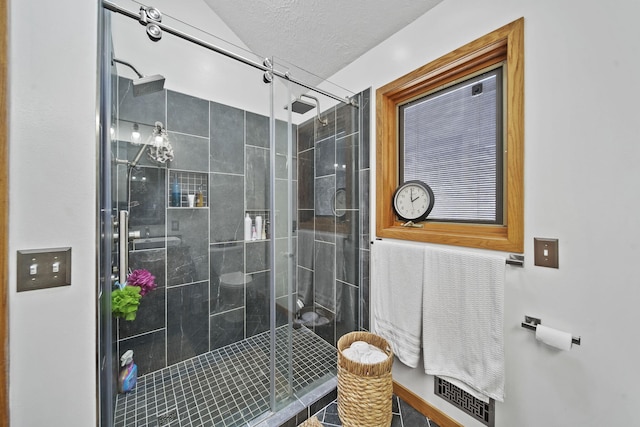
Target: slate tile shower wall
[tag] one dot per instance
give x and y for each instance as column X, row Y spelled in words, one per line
column 223, row 152
column 333, row 209
column 226, row 151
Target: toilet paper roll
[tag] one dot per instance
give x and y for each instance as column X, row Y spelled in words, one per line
column 553, row 337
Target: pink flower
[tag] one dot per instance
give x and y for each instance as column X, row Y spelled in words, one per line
column 142, row 278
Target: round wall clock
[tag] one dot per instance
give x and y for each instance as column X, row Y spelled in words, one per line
column 413, row 201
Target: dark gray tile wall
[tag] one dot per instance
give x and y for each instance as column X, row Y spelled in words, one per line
column 187, row 114
column 187, row 321
column 231, row 147
column 325, row 276
column 226, row 207
column 333, row 244
column 226, row 258
column 151, row 312
column 365, row 197
column 191, row 153
column 258, row 315
column 188, row 262
column 256, row 178
column 226, row 139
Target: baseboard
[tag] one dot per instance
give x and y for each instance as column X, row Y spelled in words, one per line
column 425, row 408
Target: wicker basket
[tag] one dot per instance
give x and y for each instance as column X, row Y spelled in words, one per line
column 364, row 390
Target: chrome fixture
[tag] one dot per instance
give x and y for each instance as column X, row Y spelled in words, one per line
column 154, row 32
column 301, row 106
column 144, row 84
column 153, row 29
column 158, row 145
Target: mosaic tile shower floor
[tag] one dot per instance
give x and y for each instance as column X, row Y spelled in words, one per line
column 227, row 387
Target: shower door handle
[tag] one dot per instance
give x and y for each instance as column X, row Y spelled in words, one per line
column 122, row 226
column 123, row 246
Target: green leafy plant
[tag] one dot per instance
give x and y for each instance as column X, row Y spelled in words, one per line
column 125, row 302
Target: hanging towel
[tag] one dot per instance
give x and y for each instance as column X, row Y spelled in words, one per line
column 396, row 286
column 463, row 310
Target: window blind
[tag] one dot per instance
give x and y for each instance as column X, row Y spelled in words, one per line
column 451, row 140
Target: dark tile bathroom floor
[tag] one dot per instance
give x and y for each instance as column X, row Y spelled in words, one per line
column 403, row 415
column 226, row 387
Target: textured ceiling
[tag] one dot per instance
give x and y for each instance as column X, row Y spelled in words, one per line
column 319, row 36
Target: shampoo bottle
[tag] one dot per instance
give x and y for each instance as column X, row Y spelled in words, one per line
column 199, row 197
column 129, row 373
column 247, row 227
column 175, row 193
column 258, row 227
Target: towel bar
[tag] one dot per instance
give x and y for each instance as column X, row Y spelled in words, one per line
column 531, row 323
column 514, row 259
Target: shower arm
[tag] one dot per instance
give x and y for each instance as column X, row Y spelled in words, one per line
column 120, row 61
column 133, row 163
column 324, row 122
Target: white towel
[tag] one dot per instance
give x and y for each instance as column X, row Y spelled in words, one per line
column 463, row 310
column 396, row 286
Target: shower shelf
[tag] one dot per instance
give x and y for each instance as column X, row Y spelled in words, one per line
column 190, row 183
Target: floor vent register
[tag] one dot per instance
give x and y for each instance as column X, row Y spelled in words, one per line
column 481, row 411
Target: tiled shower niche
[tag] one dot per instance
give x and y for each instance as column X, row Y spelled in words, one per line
column 224, row 152
column 189, row 183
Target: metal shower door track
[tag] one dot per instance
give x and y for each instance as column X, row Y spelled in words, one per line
column 133, row 15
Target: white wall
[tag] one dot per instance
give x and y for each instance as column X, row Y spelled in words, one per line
column 581, row 186
column 581, row 117
column 52, row 162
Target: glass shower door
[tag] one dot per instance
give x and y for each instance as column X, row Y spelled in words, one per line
column 238, row 322
column 204, row 331
column 282, row 243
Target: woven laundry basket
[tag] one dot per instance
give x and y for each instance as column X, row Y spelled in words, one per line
column 365, row 391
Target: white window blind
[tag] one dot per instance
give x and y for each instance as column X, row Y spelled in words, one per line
column 452, row 140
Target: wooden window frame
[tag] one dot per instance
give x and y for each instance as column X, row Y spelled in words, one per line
column 506, row 45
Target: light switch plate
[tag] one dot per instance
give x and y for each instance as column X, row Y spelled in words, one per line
column 545, row 252
column 43, row 268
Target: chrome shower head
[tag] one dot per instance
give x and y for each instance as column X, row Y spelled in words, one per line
column 144, row 84
column 148, row 84
column 301, row 106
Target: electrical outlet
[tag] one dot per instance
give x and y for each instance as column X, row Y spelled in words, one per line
column 43, row 268
column 545, row 252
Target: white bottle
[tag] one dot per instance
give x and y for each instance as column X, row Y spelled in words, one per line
column 247, row 227
column 258, row 227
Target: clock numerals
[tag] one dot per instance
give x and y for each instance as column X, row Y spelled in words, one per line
column 413, row 201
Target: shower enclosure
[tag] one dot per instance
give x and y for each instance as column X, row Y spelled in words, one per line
column 238, row 329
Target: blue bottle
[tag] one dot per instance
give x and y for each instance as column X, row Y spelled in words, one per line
column 175, row 193
column 129, row 374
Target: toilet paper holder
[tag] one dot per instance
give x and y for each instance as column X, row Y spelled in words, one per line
column 532, row 322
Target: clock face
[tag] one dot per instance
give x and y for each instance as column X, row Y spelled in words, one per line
column 413, row 201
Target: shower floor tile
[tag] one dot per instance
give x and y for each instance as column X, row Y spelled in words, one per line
column 229, row 386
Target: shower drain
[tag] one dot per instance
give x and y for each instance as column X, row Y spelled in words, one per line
column 167, row 418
